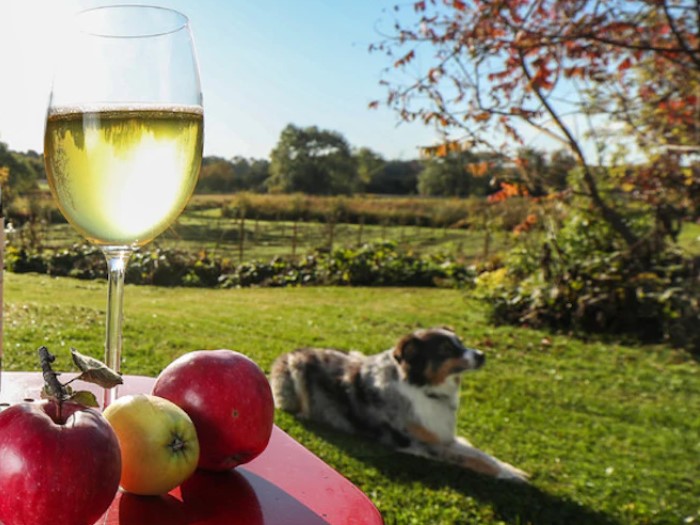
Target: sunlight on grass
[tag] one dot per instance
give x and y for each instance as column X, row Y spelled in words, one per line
column 609, row 432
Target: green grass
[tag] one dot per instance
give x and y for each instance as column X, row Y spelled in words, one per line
column 610, row 433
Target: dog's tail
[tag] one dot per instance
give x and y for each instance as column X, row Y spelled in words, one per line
column 284, row 384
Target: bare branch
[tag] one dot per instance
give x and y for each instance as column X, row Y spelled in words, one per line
column 679, row 36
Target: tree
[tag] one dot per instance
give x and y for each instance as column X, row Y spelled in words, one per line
column 496, row 68
column 25, row 170
column 313, row 161
column 250, row 174
column 216, row 176
column 219, row 175
column 561, row 162
column 461, row 173
column 369, row 165
column 446, row 176
column 615, row 83
column 398, row 177
column 4, row 177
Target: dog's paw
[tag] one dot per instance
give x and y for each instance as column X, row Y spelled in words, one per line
column 510, row 473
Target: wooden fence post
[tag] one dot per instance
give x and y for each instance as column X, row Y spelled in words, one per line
column 487, row 243
column 294, row 237
column 360, row 230
column 331, row 234
column 241, row 236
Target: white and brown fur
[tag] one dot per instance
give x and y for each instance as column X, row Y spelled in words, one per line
column 407, row 397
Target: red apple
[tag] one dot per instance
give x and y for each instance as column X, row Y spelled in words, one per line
column 56, row 465
column 229, row 400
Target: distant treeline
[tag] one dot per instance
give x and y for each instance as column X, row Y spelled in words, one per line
column 321, row 162
column 224, row 176
column 313, row 161
column 20, row 173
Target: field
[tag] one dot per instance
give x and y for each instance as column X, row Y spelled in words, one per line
column 610, row 433
column 263, row 240
column 295, row 225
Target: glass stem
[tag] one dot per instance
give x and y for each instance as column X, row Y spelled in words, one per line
column 116, row 264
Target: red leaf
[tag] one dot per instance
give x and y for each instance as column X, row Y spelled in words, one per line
column 405, row 59
column 434, row 74
column 625, row 64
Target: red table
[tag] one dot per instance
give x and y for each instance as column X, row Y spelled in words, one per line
column 286, row 484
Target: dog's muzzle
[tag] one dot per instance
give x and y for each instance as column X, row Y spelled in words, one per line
column 471, row 360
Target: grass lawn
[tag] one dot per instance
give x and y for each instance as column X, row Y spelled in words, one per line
column 610, row 433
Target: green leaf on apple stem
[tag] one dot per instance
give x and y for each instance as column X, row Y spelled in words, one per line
column 95, row 371
column 85, row 398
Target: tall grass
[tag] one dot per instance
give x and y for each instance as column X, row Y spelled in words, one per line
column 370, row 209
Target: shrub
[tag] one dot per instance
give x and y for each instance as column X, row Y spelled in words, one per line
column 382, row 264
column 580, row 281
column 21, row 260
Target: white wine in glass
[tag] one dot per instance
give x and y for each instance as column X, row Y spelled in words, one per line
column 122, row 175
column 124, row 136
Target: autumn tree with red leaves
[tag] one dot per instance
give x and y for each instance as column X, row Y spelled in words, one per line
column 614, row 82
column 487, row 73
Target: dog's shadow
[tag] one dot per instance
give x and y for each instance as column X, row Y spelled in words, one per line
column 514, row 503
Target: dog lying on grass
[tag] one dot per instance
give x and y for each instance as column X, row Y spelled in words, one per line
column 406, row 397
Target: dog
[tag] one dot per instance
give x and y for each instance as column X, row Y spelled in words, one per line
column 406, row 397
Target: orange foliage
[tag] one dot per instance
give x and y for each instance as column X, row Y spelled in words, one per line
column 442, row 150
column 478, row 169
column 526, row 225
column 507, row 191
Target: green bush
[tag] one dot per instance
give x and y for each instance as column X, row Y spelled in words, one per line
column 581, row 281
column 382, row 264
column 22, row 260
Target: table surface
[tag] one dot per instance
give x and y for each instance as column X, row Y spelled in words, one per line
column 286, row 484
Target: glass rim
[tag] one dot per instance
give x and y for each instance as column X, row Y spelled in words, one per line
column 180, row 21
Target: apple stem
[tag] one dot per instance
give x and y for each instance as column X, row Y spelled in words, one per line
column 53, row 387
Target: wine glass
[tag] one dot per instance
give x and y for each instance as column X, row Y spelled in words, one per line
column 124, row 135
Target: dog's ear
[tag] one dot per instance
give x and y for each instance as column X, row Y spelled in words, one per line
column 406, row 348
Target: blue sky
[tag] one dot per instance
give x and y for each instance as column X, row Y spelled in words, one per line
column 264, row 64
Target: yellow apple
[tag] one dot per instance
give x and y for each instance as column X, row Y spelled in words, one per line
column 158, row 442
